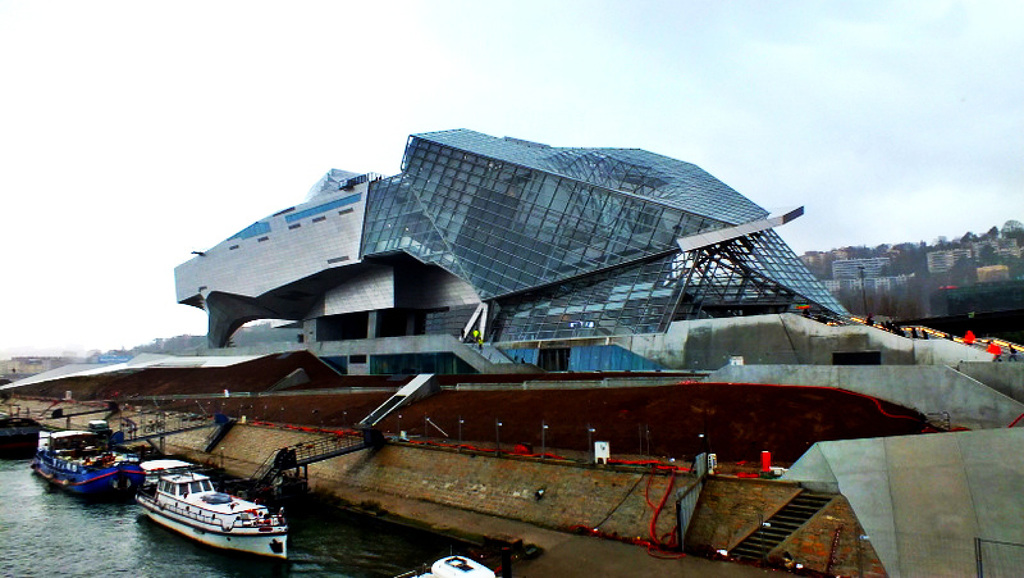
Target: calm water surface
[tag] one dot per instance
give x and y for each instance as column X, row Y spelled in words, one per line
column 46, row 532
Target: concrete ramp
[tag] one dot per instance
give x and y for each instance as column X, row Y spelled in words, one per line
column 923, row 500
column 931, row 390
column 421, row 386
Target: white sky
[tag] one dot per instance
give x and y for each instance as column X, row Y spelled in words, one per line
column 132, row 133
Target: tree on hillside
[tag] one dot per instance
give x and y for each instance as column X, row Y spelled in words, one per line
column 1013, row 230
column 988, row 256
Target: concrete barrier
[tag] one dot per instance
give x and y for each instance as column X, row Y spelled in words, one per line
column 927, row 389
column 922, row 500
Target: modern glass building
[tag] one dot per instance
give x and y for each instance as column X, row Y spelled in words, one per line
column 506, row 242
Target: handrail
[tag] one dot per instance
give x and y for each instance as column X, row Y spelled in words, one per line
column 196, row 512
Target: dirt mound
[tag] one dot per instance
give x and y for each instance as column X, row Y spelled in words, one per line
column 738, row 420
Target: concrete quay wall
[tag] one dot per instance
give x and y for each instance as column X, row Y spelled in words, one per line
column 611, row 501
column 616, row 503
column 399, row 476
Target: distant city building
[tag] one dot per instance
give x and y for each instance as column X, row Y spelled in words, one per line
column 876, row 285
column 993, row 273
column 503, row 241
column 1003, row 247
column 814, row 259
column 31, row 365
column 943, row 261
column 858, row 268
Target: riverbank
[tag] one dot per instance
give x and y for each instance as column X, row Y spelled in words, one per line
column 547, row 506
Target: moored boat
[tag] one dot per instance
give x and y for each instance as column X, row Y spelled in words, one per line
column 156, row 468
column 187, row 503
column 19, row 436
column 453, row 567
column 82, row 462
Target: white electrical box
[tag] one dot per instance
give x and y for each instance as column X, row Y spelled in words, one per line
column 602, row 451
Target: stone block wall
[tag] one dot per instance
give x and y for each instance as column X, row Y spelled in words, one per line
column 730, row 509
column 812, row 545
column 616, row 503
column 612, row 502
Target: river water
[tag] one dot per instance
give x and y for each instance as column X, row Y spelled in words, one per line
column 46, row 532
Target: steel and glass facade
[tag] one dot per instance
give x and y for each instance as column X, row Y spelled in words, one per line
column 551, row 243
column 581, row 242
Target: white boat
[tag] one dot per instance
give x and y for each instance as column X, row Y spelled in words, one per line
column 453, row 567
column 187, row 503
column 156, row 468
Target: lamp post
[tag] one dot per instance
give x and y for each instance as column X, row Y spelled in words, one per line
column 863, row 290
column 543, row 438
column 590, row 441
column 497, row 437
column 461, row 421
column 399, row 425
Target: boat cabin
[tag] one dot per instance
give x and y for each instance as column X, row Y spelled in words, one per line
column 73, row 443
column 181, row 485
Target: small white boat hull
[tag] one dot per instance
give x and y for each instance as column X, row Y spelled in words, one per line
column 247, row 540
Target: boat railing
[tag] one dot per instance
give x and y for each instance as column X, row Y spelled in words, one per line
column 241, row 519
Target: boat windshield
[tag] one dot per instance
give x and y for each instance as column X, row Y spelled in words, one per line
column 200, row 486
column 186, row 488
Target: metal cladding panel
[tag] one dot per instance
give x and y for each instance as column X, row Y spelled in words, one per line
column 287, row 246
column 370, row 290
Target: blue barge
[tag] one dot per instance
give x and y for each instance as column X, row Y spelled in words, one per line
column 81, row 462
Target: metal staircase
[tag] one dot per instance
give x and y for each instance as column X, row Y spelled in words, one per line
column 157, row 426
column 774, row 530
column 224, row 425
column 284, row 473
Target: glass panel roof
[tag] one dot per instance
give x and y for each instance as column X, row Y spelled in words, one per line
column 676, row 183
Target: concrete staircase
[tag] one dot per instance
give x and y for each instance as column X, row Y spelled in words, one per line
column 796, row 513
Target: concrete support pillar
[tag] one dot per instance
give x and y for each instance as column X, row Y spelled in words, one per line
column 372, row 329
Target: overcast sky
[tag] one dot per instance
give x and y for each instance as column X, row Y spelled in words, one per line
column 132, row 133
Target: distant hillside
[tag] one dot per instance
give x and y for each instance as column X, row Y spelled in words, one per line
column 900, row 280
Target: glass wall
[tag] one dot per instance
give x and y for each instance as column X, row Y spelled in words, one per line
column 580, row 242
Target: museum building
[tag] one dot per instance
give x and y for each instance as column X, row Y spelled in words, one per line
column 486, row 251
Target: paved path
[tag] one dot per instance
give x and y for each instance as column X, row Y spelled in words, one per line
column 564, row 554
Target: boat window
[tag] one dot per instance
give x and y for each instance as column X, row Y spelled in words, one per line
column 207, row 486
column 197, row 487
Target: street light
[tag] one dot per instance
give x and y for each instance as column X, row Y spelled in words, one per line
column 497, row 437
column 590, row 441
column 543, row 438
column 461, row 421
column 863, row 290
